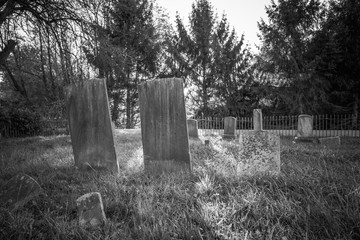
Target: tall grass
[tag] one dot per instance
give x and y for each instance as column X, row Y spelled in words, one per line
column 316, row 196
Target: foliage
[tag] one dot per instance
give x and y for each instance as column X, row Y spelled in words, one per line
column 211, row 59
column 284, row 56
column 21, row 118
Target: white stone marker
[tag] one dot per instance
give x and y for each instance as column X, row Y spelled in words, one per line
column 193, row 130
column 91, row 209
column 229, row 128
column 330, row 141
column 305, row 126
column 259, row 150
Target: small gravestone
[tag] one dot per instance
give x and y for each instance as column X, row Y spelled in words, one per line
column 229, row 128
column 18, row 191
column 330, row 141
column 163, row 126
column 192, row 125
column 91, row 209
column 259, row 150
column 305, row 126
column 90, row 126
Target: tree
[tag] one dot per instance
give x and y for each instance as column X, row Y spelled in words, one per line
column 234, row 71
column 209, row 57
column 46, row 12
column 338, row 49
column 285, row 59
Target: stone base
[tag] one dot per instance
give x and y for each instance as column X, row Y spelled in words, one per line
column 306, row 139
column 228, row 137
column 166, row 166
column 330, row 141
column 259, row 153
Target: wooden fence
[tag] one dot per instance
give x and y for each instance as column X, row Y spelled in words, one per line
column 323, row 125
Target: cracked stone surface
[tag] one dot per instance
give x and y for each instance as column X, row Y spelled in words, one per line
column 259, row 153
column 91, row 209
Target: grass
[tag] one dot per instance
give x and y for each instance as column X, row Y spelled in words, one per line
column 316, row 196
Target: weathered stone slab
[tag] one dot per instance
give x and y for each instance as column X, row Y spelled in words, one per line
column 18, row 191
column 90, row 126
column 257, row 119
column 259, row 153
column 330, row 141
column 193, row 130
column 229, row 128
column 164, row 126
column 91, row 209
column 305, row 126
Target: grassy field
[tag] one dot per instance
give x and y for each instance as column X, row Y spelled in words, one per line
column 316, row 196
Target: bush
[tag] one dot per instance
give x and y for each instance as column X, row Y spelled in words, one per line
column 22, row 119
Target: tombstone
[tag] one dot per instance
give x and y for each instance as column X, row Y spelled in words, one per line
column 192, row 125
column 229, row 128
column 257, row 119
column 305, row 126
column 91, row 209
column 164, row 126
column 330, row 141
column 90, row 126
column 18, row 191
column 259, row 150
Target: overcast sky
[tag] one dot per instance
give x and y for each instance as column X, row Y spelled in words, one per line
column 243, row 15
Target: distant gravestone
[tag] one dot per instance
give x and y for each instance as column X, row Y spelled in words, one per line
column 91, row 209
column 164, row 126
column 305, row 126
column 192, row 125
column 257, row 118
column 90, row 126
column 18, row 191
column 229, row 128
column 259, row 150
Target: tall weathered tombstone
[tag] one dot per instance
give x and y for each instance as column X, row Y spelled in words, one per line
column 229, row 128
column 90, row 126
column 259, row 150
column 305, row 126
column 164, row 126
column 193, row 130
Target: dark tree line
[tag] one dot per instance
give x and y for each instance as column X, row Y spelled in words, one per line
column 308, row 60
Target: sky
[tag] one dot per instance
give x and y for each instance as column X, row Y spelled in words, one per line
column 242, row 15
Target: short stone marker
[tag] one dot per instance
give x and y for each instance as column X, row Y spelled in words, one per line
column 257, row 119
column 18, row 191
column 305, row 126
column 330, row 141
column 164, row 126
column 259, row 150
column 90, row 126
column 229, row 128
column 91, row 209
column 192, row 125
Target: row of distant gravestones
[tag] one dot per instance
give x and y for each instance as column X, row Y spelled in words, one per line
column 164, row 130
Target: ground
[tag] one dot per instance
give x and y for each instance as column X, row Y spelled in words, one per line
column 316, row 196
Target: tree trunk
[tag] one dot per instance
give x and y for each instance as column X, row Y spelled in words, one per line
column 355, row 111
column 128, row 108
column 42, row 61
